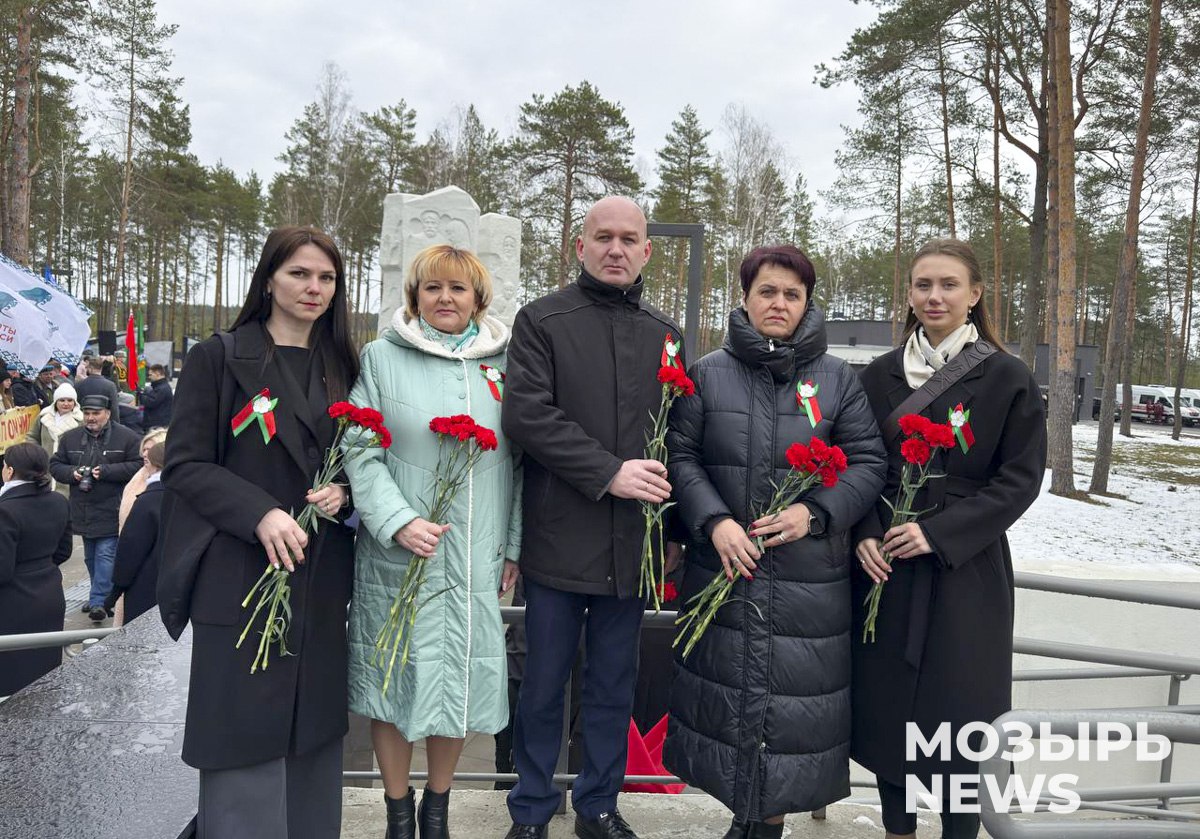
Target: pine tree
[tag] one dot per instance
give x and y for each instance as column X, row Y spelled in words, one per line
column 576, row 147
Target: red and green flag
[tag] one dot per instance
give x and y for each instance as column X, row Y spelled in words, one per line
column 135, row 371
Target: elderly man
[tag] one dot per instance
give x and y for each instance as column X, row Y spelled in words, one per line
column 47, row 380
column 96, row 460
column 580, row 390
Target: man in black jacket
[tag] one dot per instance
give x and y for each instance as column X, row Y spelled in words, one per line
column 96, row 460
column 157, row 398
column 23, row 392
column 580, row 390
column 95, row 383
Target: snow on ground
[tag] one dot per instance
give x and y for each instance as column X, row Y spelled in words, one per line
column 1153, row 535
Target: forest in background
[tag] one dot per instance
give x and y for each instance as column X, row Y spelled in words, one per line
column 1061, row 138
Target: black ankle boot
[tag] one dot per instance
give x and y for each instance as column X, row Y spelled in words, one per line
column 434, row 815
column 762, row 830
column 401, row 817
column 737, row 830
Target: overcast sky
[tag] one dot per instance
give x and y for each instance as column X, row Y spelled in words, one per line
column 250, row 66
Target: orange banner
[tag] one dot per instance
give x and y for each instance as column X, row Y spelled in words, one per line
column 15, row 424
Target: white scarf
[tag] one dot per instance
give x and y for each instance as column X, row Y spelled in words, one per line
column 922, row 359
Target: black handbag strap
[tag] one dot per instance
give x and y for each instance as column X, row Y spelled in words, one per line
column 225, row 403
column 938, row 383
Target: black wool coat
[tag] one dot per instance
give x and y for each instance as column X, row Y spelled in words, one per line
column 135, row 572
column 35, row 538
column 95, row 514
column 760, row 709
column 580, row 394
column 211, row 558
column 157, row 399
column 943, row 648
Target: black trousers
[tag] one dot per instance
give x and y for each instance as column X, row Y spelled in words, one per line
column 553, row 621
column 897, row 819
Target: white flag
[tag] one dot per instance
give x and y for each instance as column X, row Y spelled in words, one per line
column 38, row 320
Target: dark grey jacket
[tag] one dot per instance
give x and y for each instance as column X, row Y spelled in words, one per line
column 760, row 710
column 581, row 388
column 115, row 451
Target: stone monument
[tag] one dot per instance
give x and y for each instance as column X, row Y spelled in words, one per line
column 449, row 216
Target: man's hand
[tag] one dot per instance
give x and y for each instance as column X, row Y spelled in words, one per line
column 641, row 480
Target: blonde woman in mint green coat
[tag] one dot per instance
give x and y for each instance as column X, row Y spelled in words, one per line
column 433, row 361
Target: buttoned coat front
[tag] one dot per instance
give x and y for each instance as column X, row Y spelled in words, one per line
column 209, row 562
column 456, row 679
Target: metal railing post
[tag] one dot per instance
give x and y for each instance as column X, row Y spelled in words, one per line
column 1164, row 774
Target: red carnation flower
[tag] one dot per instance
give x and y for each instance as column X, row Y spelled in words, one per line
column 385, row 438
column 838, row 458
column 800, row 457
column 340, row 409
column 667, row 591
column 675, row 378
column 912, row 425
column 940, row 436
column 915, row 451
column 486, row 438
column 829, row 475
column 820, row 451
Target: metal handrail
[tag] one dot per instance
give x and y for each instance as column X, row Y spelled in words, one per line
column 1128, row 591
column 1178, row 728
column 41, row 640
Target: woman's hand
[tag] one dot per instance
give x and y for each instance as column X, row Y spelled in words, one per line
column 871, row 559
column 420, row 536
column 508, row 577
column 904, row 541
column 328, row 500
column 737, row 551
column 284, row 540
column 781, row 528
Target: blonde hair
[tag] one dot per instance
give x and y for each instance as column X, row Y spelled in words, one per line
column 447, row 261
column 153, row 437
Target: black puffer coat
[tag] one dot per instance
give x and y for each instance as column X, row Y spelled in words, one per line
column 760, row 710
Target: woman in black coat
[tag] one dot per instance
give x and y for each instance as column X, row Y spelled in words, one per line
column 35, row 538
column 268, row 743
column 135, row 570
column 943, row 648
column 760, row 709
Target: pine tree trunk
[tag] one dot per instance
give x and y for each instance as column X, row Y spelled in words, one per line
column 898, row 296
column 997, row 219
column 219, row 276
column 944, row 91
column 16, row 238
column 1053, row 185
column 1185, row 322
column 126, row 190
column 1032, row 298
column 1062, row 364
column 1128, row 266
column 564, row 243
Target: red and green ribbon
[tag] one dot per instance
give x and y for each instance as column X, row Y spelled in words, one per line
column 960, row 421
column 670, row 353
column 806, row 398
column 495, row 379
column 261, row 410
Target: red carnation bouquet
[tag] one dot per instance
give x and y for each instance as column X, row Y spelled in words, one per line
column 273, row 587
column 816, row 462
column 461, row 442
column 922, row 438
column 675, row 383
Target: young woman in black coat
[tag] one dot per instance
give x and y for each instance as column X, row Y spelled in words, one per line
column 35, row 538
column 268, row 744
column 943, row 648
column 760, row 709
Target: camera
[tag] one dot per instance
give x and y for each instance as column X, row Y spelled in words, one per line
column 85, row 479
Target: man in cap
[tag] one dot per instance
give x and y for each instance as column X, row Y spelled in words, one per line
column 96, row 460
column 23, row 392
column 44, row 385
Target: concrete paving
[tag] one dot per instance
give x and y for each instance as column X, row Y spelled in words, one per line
column 481, row 814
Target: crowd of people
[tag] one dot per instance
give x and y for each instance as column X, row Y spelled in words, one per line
column 780, row 692
column 77, row 473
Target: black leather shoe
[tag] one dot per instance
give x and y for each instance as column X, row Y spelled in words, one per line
column 762, row 830
column 98, row 614
column 433, row 818
column 737, row 830
column 401, row 817
column 526, row 831
column 607, row 826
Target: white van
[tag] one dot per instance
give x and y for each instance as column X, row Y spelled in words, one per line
column 1156, row 403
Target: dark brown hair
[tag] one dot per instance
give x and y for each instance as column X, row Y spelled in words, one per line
column 330, row 338
column 29, row 462
column 788, row 257
column 977, row 314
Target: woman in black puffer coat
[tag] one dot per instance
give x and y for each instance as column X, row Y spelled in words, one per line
column 760, row 709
